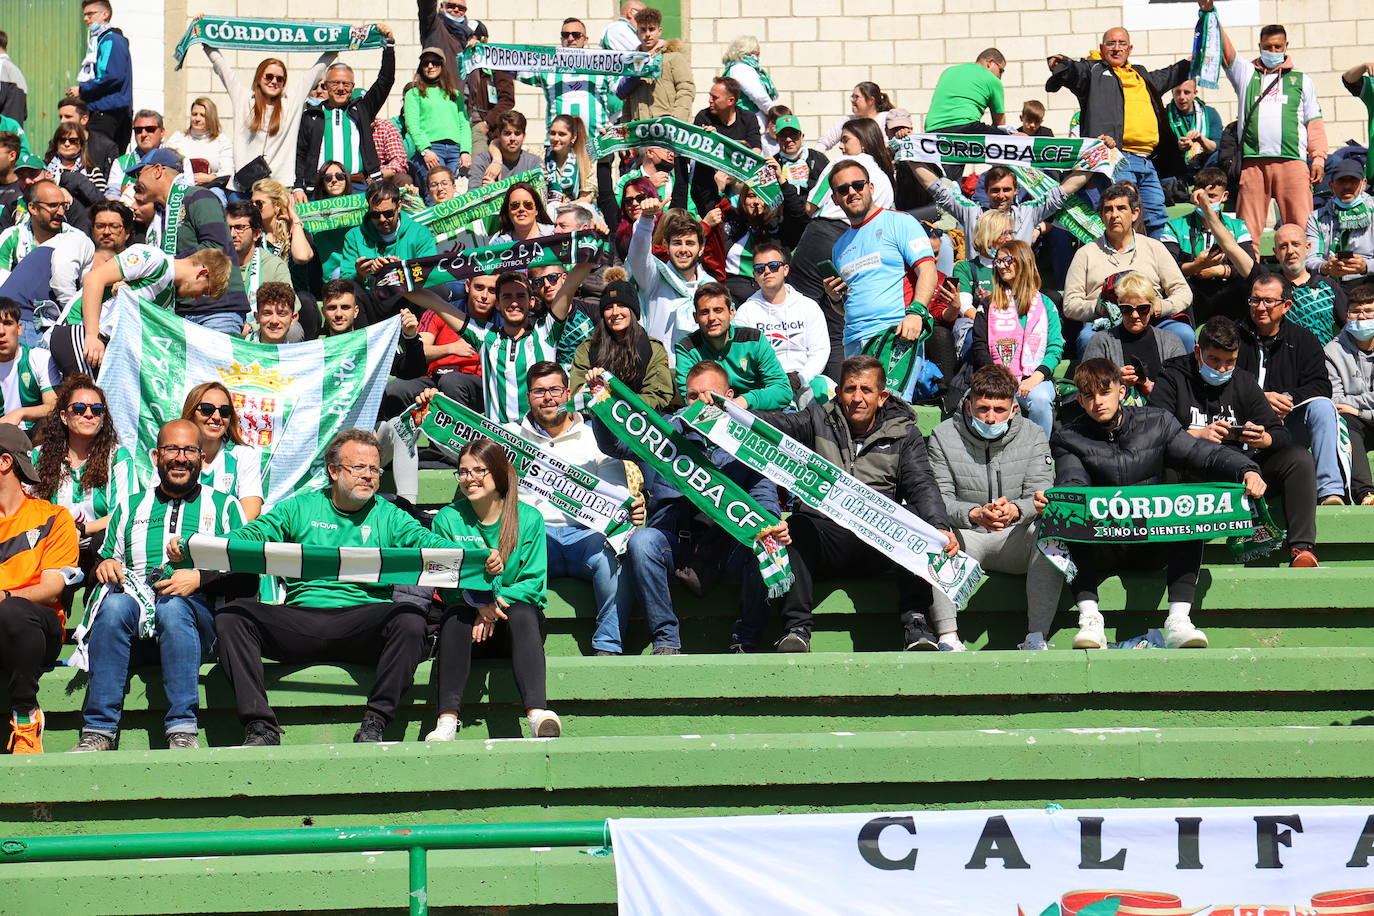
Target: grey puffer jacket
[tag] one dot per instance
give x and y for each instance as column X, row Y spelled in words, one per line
column 972, row 471
column 1352, row 375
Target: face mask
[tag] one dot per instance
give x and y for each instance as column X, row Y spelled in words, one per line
column 95, row 28
column 313, row 102
column 988, row 431
column 1271, row 59
column 1214, row 377
column 1216, row 208
column 1345, row 204
column 1360, row 328
column 456, row 20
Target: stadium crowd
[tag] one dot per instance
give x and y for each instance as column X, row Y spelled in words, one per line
column 1194, row 358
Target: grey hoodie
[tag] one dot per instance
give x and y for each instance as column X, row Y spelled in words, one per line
column 1352, row 375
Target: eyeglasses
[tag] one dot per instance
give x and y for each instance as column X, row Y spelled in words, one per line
column 50, row 205
column 546, row 280
column 274, row 78
column 379, row 215
column 1004, row 262
column 146, row 129
column 1143, row 309
column 1116, row 44
column 1265, row 303
column 456, row 6
column 471, row 473
column 335, row 176
column 361, row 470
column 441, row 182
column 207, row 410
column 567, row 35
column 174, row 451
column 769, row 267
column 78, row 408
column 259, row 204
column 553, row 391
column 520, row 205
column 854, row 186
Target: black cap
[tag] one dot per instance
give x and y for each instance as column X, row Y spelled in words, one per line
column 16, row 442
column 1346, row 168
column 620, row 292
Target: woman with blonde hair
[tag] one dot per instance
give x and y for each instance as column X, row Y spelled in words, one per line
column 757, row 92
column 203, row 139
column 267, row 117
column 230, row 465
column 974, row 275
column 487, row 514
column 272, row 200
column 1020, row 330
column 1133, row 344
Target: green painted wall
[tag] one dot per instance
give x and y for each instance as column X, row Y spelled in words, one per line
column 47, row 41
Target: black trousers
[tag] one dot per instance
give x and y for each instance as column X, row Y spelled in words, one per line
column 117, row 125
column 817, row 244
column 519, row 638
column 1290, row 470
column 400, row 393
column 1361, row 484
column 30, row 638
column 1180, row 560
column 389, row 635
column 822, row 548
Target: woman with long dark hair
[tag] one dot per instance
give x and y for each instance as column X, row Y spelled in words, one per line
column 231, row 465
column 486, row 513
column 619, row 345
column 267, row 117
column 632, row 196
column 68, row 152
column 322, row 251
column 568, row 171
column 81, row 464
column 436, row 120
column 522, row 215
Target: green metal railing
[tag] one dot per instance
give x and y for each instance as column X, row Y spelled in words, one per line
column 417, row 841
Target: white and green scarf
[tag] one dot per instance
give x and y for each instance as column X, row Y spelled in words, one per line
column 744, row 102
column 697, row 144
column 88, row 63
column 164, row 236
column 1076, row 217
column 889, row 528
column 1206, row 66
column 562, row 249
column 432, row 567
column 332, row 212
column 1089, row 154
column 591, row 502
column 275, row 36
column 549, row 59
column 683, row 465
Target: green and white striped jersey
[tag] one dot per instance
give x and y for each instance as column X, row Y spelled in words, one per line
column 577, row 329
column 140, row 529
column 24, row 379
column 88, row 505
column 237, row 469
column 506, row 363
column 1279, row 125
column 581, row 95
column 149, row 274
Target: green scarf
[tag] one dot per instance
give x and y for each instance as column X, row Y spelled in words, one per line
column 549, row 59
column 891, row 529
column 900, row 357
column 275, row 36
column 591, row 502
column 685, row 467
column 1076, row 217
column 1353, row 219
column 333, row 212
column 442, row 567
column 1181, row 124
column 694, row 143
column 561, row 249
column 167, row 238
column 451, row 217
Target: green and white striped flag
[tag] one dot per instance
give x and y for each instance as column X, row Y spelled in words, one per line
column 432, row 567
column 590, row 501
column 882, row 524
column 291, row 398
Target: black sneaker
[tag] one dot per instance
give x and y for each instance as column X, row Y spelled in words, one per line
column 795, row 641
column 183, row 741
column 94, row 741
column 370, row 732
column 918, row 636
column 666, row 650
column 604, row 653
column 260, row 734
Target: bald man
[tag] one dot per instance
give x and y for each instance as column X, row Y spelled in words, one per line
column 623, row 34
column 1122, row 101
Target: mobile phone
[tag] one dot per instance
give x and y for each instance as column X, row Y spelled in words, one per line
column 827, row 268
column 954, row 280
column 1345, row 255
column 1235, row 434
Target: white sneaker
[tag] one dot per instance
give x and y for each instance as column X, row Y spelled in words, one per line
column 951, row 643
column 545, row 724
column 1034, row 642
column 1179, row 633
column 445, row 730
column 1092, row 632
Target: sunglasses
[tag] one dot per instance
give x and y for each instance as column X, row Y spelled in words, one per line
column 65, row 140
column 847, row 187
column 1144, row 309
column 768, row 268
column 521, row 205
column 1005, row 262
column 383, row 214
column 566, row 35
column 633, row 200
column 431, row 62
column 78, row 408
column 273, row 78
column 546, row 280
column 334, row 176
column 207, row 410
column 146, row 129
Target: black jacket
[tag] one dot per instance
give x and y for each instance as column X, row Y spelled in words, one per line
column 892, row 459
column 1293, row 358
column 1103, row 103
column 1181, row 391
column 363, row 111
column 1136, row 452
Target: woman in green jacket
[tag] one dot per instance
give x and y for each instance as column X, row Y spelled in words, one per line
column 436, row 121
column 486, row 514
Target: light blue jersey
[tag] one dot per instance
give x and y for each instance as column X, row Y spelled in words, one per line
column 874, row 260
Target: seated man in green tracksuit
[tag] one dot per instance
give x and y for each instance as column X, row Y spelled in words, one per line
column 755, row 375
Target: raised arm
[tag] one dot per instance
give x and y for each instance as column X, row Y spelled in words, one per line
column 1235, row 252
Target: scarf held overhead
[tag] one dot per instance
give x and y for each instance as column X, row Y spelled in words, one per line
column 549, row 59
column 881, row 523
column 684, row 466
column 1088, row 154
column 276, row 35
column 694, row 143
column 591, row 502
column 559, row 250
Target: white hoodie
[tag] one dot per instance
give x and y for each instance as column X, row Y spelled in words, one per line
column 795, row 327
column 577, row 445
column 664, row 297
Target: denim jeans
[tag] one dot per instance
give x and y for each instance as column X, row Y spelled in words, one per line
column 185, row 634
column 450, row 154
column 1142, row 172
column 580, row 553
column 651, row 562
column 1314, row 425
column 1039, row 406
column 230, row 323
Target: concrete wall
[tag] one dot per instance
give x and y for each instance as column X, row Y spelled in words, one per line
column 817, row 49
